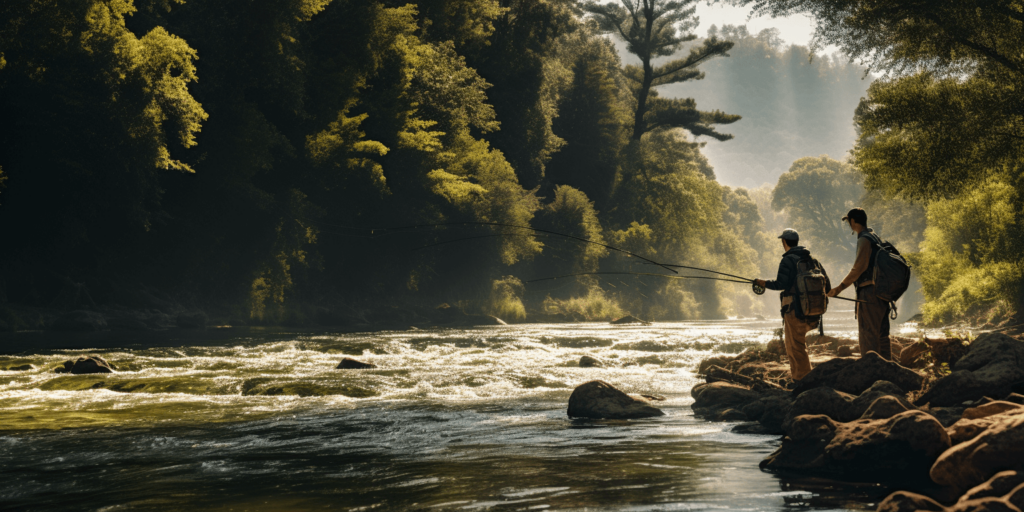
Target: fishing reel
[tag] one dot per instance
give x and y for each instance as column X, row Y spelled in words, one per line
column 758, row 289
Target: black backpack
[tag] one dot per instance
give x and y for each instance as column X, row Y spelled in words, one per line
column 892, row 272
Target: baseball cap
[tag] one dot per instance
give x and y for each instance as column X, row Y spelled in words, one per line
column 790, row 234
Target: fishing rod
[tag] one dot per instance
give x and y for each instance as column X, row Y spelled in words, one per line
column 740, row 280
column 633, row 274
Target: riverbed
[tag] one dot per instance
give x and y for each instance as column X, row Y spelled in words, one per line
column 452, row 419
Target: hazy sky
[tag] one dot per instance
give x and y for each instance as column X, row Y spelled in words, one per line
column 793, row 29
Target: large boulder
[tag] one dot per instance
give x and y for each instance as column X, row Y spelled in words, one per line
column 994, row 364
column 86, row 365
column 80, row 321
column 599, row 400
column 896, row 448
column 841, row 406
column 1000, row 447
column 855, row 376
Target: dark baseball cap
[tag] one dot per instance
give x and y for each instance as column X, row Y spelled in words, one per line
column 790, row 234
column 857, row 214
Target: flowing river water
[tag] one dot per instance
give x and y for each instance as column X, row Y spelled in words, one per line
column 452, row 419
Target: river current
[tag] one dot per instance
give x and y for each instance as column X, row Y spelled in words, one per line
column 452, row 419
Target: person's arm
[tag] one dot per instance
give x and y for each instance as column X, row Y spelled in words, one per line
column 860, row 264
column 784, row 279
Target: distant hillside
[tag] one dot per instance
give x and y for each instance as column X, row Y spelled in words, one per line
column 791, row 106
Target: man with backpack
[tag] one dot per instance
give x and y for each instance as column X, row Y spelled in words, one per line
column 875, row 302
column 803, row 284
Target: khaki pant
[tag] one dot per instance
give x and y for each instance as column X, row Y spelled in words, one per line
column 873, row 323
column 796, row 344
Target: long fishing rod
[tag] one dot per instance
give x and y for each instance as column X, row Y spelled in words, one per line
column 633, row 274
column 743, row 281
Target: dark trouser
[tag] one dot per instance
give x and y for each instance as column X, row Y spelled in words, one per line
column 873, row 323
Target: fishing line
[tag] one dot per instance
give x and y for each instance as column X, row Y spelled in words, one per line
column 632, row 274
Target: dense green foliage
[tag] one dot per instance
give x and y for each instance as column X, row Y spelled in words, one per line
column 232, row 155
column 945, row 126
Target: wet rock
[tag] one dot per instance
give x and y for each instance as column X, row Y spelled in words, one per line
column 994, row 364
column 989, row 409
column 999, row 447
column 752, row 427
column 841, row 406
column 80, row 321
column 1001, row 484
column 629, row 319
column 731, row 415
column 191, row 320
column 721, row 396
column 590, row 362
column 22, row 368
column 86, row 365
column 775, row 410
column 902, row 501
column 351, row 364
column 845, row 351
column 946, row 415
column 857, row 375
column 599, row 400
column 893, row 448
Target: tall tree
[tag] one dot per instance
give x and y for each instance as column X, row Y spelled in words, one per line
column 658, row 28
column 816, row 192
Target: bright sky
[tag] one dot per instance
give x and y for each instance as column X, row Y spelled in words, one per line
column 796, row 29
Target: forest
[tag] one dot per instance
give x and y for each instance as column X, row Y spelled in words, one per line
column 318, row 162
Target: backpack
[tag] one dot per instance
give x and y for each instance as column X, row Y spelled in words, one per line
column 812, row 283
column 892, row 272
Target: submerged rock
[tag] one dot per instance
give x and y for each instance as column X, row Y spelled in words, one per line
column 590, row 362
column 351, row 364
column 994, row 364
column 599, row 400
column 22, row 368
column 86, row 365
column 894, row 448
column 80, row 321
column 629, row 319
column 855, row 376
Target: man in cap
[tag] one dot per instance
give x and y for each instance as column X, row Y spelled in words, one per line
column 795, row 325
column 872, row 313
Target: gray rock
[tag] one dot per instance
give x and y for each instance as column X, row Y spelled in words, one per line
column 351, row 364
column 991, row 348
column 599, row 400
column 590, row 362
column 80, row 321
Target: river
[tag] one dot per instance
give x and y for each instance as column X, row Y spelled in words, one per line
column 452, row 419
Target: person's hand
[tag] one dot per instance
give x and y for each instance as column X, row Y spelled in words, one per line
column 760, row 282
column 833, row 292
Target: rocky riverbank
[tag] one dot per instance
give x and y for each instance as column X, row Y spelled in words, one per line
column 946, row 419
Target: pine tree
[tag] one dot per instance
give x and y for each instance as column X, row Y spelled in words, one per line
column 658, row 28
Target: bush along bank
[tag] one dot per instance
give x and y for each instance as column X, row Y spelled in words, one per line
column 957, row 436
